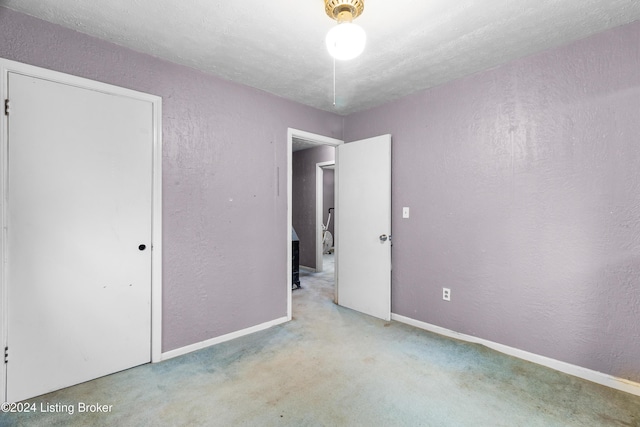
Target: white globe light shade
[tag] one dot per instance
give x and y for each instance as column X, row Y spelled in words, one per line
column 346, row 41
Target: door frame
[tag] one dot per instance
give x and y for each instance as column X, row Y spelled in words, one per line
column 320, row 211
column 316, row 140
column 8, row 66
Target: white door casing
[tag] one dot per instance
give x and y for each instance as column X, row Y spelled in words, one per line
column 363, row 226
column 81, row 195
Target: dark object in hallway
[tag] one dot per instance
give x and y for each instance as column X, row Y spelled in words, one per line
column 295, row 264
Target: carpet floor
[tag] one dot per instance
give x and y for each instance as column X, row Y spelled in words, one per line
column 331, row 366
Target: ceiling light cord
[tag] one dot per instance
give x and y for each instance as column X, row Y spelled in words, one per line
column 334, row 82
column 346, row 40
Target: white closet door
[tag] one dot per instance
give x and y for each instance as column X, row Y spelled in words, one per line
column 79, row 209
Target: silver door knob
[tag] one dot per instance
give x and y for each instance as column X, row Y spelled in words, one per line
column 383, row 237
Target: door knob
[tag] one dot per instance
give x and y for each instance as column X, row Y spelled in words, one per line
column 383, row 237
column 142, row 247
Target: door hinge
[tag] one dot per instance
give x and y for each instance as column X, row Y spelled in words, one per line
column 6, row 355
column 6, row 107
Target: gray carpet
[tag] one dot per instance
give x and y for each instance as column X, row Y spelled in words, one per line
column 331, row 366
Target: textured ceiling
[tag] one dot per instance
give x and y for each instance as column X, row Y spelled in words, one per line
column 278, row 45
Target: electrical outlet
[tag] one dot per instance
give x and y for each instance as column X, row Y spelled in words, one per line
column 446, row 294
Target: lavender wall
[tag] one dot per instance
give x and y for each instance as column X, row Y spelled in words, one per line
column 304, row 198
column 524, row 188
column 224, row 219
column 523, row 184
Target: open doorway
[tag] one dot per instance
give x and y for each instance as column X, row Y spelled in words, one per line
column 362, row 279
column 307, row 200
column 312, row 231
column 325, row 210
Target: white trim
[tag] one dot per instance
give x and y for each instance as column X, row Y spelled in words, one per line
column 4, row 136
column 156, row 237
column 308, row 137
column 7, row 66
column 223, row 338
column 289, row 263
column 314, row 138
column 320, row 211
column 567, row 368
column 336, row 228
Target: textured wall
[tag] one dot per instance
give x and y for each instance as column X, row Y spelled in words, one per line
column 224, row 217
column 304, row 198
column 523, row 183
column 524, row 188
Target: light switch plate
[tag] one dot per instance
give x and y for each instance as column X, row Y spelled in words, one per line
column 405, row 212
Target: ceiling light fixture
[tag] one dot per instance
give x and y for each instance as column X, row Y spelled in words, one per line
column 346, row 40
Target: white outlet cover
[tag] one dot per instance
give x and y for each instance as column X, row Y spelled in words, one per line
column 405, row 212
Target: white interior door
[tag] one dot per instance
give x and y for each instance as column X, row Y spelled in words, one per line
column 79, row 192
column 363, row 226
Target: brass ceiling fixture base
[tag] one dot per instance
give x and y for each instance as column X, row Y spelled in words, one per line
column 343, row 10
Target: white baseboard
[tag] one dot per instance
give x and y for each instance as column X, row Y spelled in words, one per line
column 567, row 368
column 213, row 341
